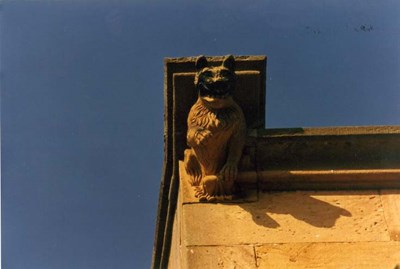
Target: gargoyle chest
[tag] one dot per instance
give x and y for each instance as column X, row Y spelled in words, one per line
column 215, row 121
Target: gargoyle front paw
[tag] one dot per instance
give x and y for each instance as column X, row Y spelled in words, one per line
column 229, row 171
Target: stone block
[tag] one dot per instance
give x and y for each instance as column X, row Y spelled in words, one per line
column 391, row 206
column 360, row 255
column 221, row 257
column 353, row 216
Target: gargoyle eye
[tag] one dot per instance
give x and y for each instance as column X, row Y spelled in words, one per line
column 207, row 74
column 225, row 73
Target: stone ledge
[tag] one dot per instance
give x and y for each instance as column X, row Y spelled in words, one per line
column 328, row 131
column 360, row 255
column 219, row 257
column 329, row 179
column 341, row 148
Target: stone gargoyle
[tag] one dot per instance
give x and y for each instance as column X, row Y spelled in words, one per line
column 216, row 132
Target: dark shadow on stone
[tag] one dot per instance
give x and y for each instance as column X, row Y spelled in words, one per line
column 259, row 215
column 298, row 204
column 248, row 200
column 265, row 220
column 308, row 209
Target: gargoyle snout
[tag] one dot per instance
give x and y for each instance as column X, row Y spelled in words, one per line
column 219, row 78
column 218, row 85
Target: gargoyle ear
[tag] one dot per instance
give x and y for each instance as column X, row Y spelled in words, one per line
column 229, row 62
column 201, row 62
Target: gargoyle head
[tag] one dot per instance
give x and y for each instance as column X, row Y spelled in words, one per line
column 215, row 84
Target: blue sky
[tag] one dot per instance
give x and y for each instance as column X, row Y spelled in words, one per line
column 82, row 105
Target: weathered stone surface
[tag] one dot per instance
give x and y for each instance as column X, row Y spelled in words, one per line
column 175, row 255
column 391, row 207
column 174, row 260
column 239, row 257
column 360, row 255
column 287, row 217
